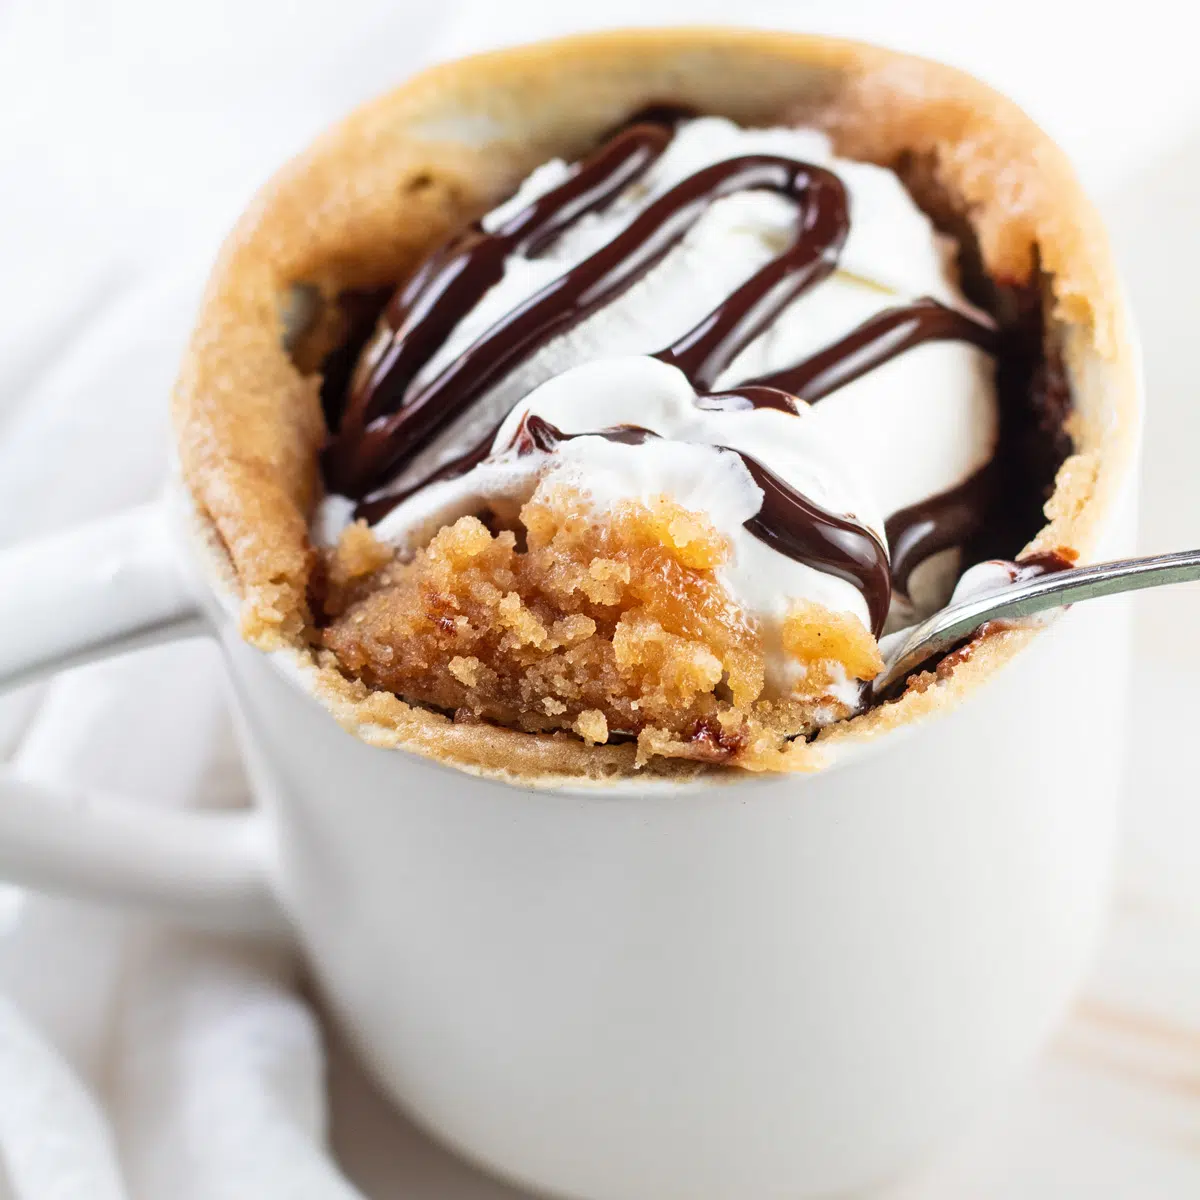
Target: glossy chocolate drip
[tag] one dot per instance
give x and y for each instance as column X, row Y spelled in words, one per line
column 533, row 433
column 364, row 453
column 536, row 433
column 377, row 506
column 361, row 310
column 823, row 221
column 742, row 399
column 1044, row 562
column 388, row 420
column 794, row 525
column 381, row 423
column 875, row 342
column 788, row 521
column 938, row 523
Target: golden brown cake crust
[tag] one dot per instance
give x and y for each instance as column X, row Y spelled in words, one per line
column 361, row 206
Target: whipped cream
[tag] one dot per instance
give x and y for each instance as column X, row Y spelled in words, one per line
column 917, row 426
column 691, row 462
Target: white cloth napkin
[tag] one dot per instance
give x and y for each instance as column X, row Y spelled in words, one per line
column 141, row 1063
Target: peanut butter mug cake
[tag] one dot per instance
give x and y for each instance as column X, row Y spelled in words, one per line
column 611, row 428
column 571, row 424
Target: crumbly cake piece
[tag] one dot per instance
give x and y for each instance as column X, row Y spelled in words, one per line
column 614, row 628
column 359, row 209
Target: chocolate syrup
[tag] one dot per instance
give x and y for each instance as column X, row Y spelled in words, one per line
column 875, row 342
column 536, row 433
column 360, row 312
column 382, row 423
column 792, row 524
column 938, row 523
column 385, row 425
column 823, row 221
column 388, row 418
column 377, row 506
column 746, row 397
column 665, row 113
column 532, row 434
column 788, row 521
column 1044, row 562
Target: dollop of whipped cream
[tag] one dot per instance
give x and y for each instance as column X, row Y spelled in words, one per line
column 915, row 427
column 691, row 462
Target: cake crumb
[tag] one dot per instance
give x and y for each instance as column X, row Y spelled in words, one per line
column 592, row 727
column 828, row 644
column 358, row 555
column 465, row 670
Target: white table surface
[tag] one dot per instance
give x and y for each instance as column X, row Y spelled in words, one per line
column 132, row 133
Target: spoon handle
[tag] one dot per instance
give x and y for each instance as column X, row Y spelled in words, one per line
column 950, row 626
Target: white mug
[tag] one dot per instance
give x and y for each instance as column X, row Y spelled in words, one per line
column 792, row 985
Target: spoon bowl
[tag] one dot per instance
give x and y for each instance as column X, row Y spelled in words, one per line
column 953, row 625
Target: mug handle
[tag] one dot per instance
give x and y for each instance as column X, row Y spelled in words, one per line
column 95, row 591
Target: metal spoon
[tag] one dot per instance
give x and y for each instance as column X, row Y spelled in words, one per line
column 949, row 627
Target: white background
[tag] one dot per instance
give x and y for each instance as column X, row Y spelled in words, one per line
column 131, row 135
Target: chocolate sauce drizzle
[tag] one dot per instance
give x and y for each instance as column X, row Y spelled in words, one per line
column 875, row 342
column 788, row 521
column 792, row 524
column 386, row 423
column 823, row 221
column 383, row 425
column 938, row 523
column 388, row 418
column 536, row 433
